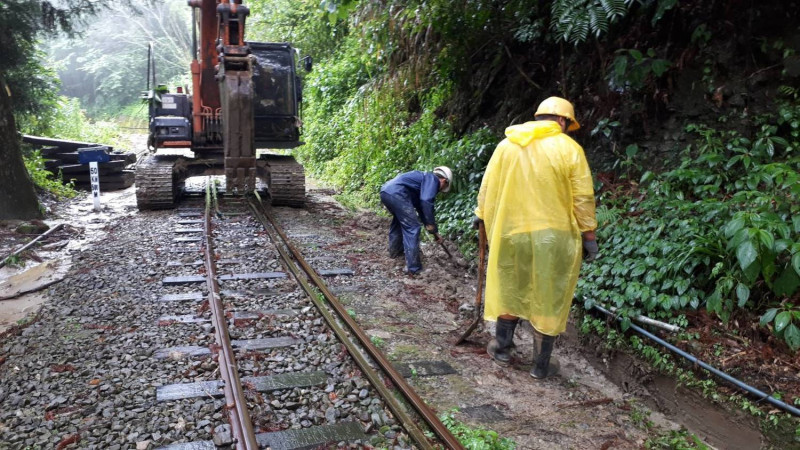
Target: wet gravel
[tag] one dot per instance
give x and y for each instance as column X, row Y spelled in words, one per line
column 84, row 375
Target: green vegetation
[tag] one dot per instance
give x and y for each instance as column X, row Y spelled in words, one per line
column 13, row 261
column 377, row 341
column 69, row 121
column 675, row 440
column 702, row 236
column 474, row 438
column 44, row 179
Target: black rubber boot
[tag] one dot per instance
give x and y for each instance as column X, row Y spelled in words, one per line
column 499, row 348
column 542, row 349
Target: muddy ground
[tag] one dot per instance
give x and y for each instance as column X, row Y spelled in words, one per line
column 599, row 400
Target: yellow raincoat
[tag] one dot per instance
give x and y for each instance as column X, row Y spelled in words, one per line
column 536, row 198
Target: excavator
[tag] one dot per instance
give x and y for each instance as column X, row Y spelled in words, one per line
column 244, row 96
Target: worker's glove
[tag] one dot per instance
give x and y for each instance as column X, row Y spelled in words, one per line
column 590, row 250
column 431, row 229
column 476, row 222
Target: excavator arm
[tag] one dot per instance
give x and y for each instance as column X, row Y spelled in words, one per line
column 244, row 96
column 233, row 73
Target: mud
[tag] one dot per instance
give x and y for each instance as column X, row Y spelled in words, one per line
column 597, row 401
column 716, row 425
column 417, row 319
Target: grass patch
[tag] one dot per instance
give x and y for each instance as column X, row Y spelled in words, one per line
column 675, row 440
column 475, row 438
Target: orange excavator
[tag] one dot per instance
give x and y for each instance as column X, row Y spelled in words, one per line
column 244, row 96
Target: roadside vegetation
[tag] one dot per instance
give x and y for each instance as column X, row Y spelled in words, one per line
column 720, row 232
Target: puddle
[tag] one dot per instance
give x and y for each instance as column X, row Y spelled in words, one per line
column 79, row 213
column 15, row 310
column 33, row 278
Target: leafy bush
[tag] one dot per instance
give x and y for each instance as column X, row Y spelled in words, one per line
column 721, row 231
column 575, row 21
column 45, row 180
column 633, row 70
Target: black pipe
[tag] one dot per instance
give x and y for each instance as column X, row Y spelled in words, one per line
column 714, row 370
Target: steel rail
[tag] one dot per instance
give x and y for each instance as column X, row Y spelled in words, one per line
column 235, row 402
column 416, row 434
column 398, row 380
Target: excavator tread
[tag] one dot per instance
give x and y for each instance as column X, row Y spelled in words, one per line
column 155, row 183
column 287, row 185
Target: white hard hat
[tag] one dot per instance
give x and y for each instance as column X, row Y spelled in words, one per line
column 447, row 174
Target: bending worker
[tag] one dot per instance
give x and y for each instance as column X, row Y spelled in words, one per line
column 537, row 202
column 406, row 195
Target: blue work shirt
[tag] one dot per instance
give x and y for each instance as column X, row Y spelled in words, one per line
column 420, row 188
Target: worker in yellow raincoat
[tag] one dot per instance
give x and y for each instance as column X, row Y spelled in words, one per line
column 537, row 202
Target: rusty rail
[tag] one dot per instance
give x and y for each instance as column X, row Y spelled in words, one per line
column 235, row 402
column 398, row 380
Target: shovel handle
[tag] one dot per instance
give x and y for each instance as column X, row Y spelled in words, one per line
column 481, row 270
column 449, row 255
column 481, row 264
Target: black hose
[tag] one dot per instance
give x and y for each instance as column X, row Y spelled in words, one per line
column 761, row 395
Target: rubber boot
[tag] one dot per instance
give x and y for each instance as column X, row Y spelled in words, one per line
column 499, row 348
column 542, row 350
column 555, row 364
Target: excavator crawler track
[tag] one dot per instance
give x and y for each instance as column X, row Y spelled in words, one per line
column 287, row 185
column 156, row 185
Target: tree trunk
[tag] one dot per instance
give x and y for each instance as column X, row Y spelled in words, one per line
column 17, row 194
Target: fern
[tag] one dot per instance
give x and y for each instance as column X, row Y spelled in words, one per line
column 606, row 215
column 573, row 20
column 789, row 91
column 614, row 9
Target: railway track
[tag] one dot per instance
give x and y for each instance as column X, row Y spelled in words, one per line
column 273, row 348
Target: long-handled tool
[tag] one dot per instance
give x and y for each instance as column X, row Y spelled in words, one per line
column 481, row 271
column 441, row 243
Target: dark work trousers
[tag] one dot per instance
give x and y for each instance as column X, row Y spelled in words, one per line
column 404, row 230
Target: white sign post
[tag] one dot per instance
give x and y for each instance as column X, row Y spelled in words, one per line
column 94, row 177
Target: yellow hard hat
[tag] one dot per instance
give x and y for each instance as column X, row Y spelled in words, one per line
column 557, row 106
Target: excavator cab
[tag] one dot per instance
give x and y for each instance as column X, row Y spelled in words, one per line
column 276, row 97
